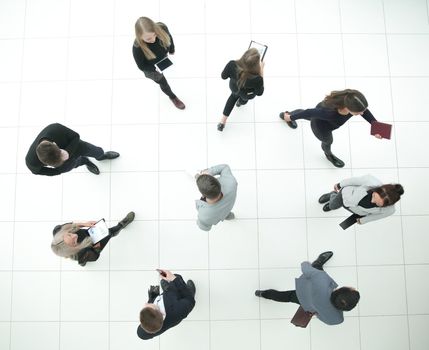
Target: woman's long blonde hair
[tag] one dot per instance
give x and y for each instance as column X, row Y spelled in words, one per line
column 146, row 25
column 249, row 64
column 60, row 248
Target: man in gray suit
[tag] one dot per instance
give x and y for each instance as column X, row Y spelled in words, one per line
column 218, row 196
column 317, row 293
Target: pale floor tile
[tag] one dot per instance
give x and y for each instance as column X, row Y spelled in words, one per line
column 45, row 290
column 416, row 239
column 235, row 335
column 403, row 18
column 44, row 335
column 5, row 301
column 419, row 336
column 416, row 290
column 308, row 19
column 407, row 92
column 128, row 11
column 352, row 12
column 124, row 65
column 192, row 335
column 92, row 335
column 124, row 335
column 84, row 23
column 6, row 248
column 245, row 206
column 281, row 333
column 5, row 335
column 7, row 188
column 384, row 332
column 12, row 17
column 230, row 22
column 345, row 335
column 411, row 153
column 226, row 243
column 273, row 16
column 188, row 21
column 47, row 18
column 9, row 107
column 11, row 59
column 282, row 242
column 374, row 281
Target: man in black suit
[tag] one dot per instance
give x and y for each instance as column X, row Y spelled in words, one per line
column 58, row 149
column 167, row 310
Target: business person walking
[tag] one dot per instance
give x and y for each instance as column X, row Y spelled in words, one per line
column 245, row 81
column 330, row 114
column 154, row 42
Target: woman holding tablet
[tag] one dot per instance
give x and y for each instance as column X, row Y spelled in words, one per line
column 330, row 114
column 152, row 44
column 246, row 81
column 72, row 241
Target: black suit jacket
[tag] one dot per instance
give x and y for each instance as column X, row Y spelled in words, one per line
column 64, row 137
column 178, row 303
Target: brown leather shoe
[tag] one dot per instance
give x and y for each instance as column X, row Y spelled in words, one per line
column 179, row 104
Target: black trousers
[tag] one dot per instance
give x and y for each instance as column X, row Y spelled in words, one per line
column 323, row 135
column 232, row 99
column 159, row 78
column 288, row 296
column 84, row 150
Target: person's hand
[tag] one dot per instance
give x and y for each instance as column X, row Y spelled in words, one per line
column 166, row 275
column 358, row 221
column 286, row 117
column 153, row 292
column 378, row 136
column 172, row 53
column 86, row 223
column 336, row 188
column 96, row 246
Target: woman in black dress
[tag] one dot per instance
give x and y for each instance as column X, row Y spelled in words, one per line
column 153, row 43
column 246, row 81
column 330, row 114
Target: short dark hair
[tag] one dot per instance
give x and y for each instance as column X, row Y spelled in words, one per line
column 390, row 194
column 49, row 153
column 209, row 186
column 151, row 320
column 345, row 298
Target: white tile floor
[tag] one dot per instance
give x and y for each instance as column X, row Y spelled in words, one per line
column 70, row 61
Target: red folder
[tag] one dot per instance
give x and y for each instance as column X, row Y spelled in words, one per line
column 383, row 129
column 301, row 318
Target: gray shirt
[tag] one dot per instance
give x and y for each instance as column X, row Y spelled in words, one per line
column 354, row 189
column 313, row 289
column 211, row 214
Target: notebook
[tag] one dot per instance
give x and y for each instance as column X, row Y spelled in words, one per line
column 383, row 129
column 301, row 318
column 98, row 231
column 351, row 220
column 262, row 49
column 163, row 64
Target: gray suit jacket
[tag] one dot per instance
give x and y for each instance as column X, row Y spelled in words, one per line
column 313, row 290
column 211, row 214
column 354, row 189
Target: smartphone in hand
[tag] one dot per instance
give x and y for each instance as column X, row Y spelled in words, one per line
column 161, row 272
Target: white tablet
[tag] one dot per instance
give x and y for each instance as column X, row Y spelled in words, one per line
column 262, row 49
column 98, row 231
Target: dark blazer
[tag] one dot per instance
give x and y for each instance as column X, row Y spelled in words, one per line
column 253, row 86
column 178, row 303
column 64, row 137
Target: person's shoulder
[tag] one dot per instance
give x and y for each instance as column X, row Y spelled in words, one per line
column 163, row 26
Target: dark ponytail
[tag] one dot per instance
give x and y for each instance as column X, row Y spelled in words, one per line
column 390, row 193
column 353, row 100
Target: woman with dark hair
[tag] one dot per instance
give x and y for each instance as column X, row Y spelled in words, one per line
column 330, row 114
column 246, row 81
column 364, row 196
column 154, row 42
column 72, row 240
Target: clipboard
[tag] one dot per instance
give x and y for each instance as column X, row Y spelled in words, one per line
column 301, row 318
column 262, row 49
column 383, row 129
column 163, row 64
column 98, row 231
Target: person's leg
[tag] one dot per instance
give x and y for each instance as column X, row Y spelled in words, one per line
column 229, row 105
column 284, row 297
column 86, row 149
column 113, row 231
column 104, row 242
column 159, row 78
column 326, row 137
column 321, row 260
column 336, row 200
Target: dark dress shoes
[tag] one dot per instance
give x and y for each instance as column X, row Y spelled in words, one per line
column 258, row 293
column 322, row 259
column 324, row 198
column 220, row 126
column 109, row 155
column 178, row 103
column 127, row 220
column 292, row 124
column 326, row 207
column 92, row 168
column 191, row 286
column 335, row 160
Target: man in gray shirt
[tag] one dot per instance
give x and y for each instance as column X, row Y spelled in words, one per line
column 218, row 196
column 317, row 293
